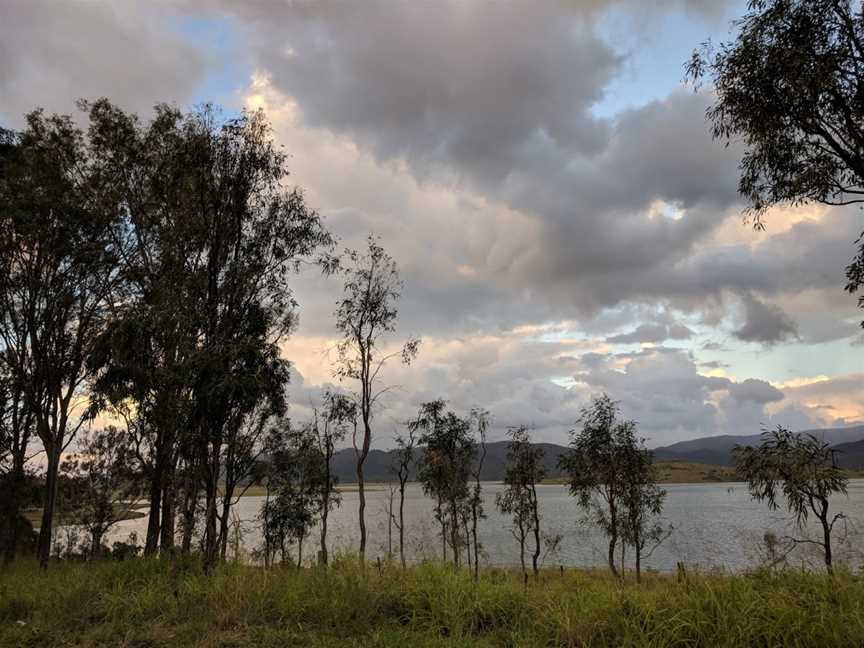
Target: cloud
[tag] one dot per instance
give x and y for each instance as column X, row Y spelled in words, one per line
column 52, row 53
column 765, row 323
column 663, row 390
column 835, row 400
column 755, row 391
column 653, row 333
column 532, row 233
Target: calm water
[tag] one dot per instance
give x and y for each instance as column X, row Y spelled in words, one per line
column 715, row 526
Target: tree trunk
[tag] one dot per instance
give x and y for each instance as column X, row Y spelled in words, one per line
column 210, row 533
column 454, row 531
column 52, row 452
column 365, row 407
column 522, row 536
column 300, row 552
column 474, row 537
column 211, row 545
column 324, row 514
column 826, row 536
column 536, row 523
column 151, row 543
column 467, row 542
column 361, row 493
column 190, row 502
column 96, row 544
column 623, row 550
column 13, row 510
column 613, row 540
column 638, row 562
column 166, row 539
column 390, row 521
column 224, row 522
column 402, row 524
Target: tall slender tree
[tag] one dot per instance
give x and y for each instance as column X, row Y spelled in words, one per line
column 448, row 452
column 524, row 470
column 338, row 417
column 595, row 466
column 642, row 497
column 365, row 315
column 480, row 422
column 59, row 274
column 212, row 240
column 403, row 460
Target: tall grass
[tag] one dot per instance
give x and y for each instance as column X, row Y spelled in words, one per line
column 162, row 603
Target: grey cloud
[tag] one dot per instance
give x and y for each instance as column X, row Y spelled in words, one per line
column 765, row 323
column 653, row 333
column 52, row 53
column 756, row 391
column 671, row 400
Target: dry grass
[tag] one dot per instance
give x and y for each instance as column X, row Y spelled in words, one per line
column 162, row 603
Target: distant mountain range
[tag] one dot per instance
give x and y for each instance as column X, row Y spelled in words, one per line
column 715, row 450
column 378, row 463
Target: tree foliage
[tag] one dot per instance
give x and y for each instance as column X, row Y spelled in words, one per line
column 790, row 87
column 293, row 491
column 58, row 273
column 596, row 470
column 798, row 470
column 446, row 468
column 106, row 486
column 519, row 499
column 364, row 316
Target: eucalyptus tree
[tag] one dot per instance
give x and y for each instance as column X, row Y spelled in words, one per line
column 403, row 459
column 365, row 315
column 800, row 471
column 254, row 234
column 144, row 357
column 59, row 275
column 16, row 419
column 642, row 497
column 448, row 453
column 480, row 422
column 242, row 452
column 595, row 467
column 16, row 432
column 790, row 89
column 338, row 417
column 109, row 486
column 213, row 238
column 293, row 490
column 523, row 471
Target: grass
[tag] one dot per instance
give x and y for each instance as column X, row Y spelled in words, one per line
column 159, row 603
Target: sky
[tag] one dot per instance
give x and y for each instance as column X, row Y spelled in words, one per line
column 563, row 222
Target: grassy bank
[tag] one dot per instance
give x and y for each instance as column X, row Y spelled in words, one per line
column 153, row 603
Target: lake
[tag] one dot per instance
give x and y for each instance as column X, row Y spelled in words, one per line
column 714, row 526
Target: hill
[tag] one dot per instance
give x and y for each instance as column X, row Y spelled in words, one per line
column 850, row 455
column 718, row 449
column 696, row 460
column 378, row 463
